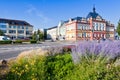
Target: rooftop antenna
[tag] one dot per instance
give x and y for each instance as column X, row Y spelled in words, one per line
column 94, row 8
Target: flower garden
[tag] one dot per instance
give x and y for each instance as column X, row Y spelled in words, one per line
column 86, row 60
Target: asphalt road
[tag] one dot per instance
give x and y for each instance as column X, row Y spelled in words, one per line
column 11, row 51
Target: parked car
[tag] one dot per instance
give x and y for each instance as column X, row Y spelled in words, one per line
column 4, row 38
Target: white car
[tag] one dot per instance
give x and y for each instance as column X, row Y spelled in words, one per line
column 4, row 38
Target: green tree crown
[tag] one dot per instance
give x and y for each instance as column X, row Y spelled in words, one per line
column 1, row 33
column 118, row 28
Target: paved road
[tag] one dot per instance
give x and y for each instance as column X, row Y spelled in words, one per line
column 10, row 51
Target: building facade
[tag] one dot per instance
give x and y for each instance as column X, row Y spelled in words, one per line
column 16, row 29
column 52, row 33
column 92, row 27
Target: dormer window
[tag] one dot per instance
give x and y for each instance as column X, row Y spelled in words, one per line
column 98, row 18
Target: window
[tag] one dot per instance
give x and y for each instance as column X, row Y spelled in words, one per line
column 10, row 26
column 98, row 35
column 100, row 28
column 27, row 32
column 111, row 35
column 18, row 27
column 111, row 29
column 96, row 26
column 14, row 27
column 88, row 35
column 3, row 26
column 3, row 23
column 20, row 31
column 104, row 36
column 26, row 27
column 79, row 34
column 94, row 35
column 12, row 31
column 83, row 27
column 86, row 27
column 13, row 37
column 79, row 27
column 84, row 34
column 22, row 27
column 21, row 37
column 101, row 35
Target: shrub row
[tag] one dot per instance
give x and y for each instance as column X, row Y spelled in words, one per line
column 16, row 42
column 21, row 41
column 33, row 41
column 6, row 42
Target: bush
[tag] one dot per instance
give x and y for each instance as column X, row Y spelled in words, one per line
column 28, row 69
column 58, row 67
column 94, row 70
column 17, row 41
column 33, row 41
column 41, row 68
column 6, row 42
column 25, row 40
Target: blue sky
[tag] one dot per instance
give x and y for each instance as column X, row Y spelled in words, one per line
column 47, row 13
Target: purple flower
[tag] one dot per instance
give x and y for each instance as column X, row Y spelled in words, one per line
column 109, row 49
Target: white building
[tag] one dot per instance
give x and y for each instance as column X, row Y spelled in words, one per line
column 16, row 29
column 52, row 33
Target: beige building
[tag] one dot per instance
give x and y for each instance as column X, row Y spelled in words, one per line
column 16, row 29
column 52, row 33
column 91, row 27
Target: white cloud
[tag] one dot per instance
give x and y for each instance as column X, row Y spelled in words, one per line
column 34, row 11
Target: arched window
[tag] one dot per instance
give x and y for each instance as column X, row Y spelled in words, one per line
column 96, row 26
column 100, row 28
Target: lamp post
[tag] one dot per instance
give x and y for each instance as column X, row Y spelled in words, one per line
column 38, row 37
column 92, row 31
column 84, row 35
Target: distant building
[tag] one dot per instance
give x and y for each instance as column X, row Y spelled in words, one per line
column 52, row 33
column 92, row 27
column 117, row 37
column 16, row 29
column 45, row 33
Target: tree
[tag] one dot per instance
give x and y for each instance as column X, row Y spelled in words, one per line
column 34, row 36
column 41, row 35
column 118, row 28
column 1, row 33
column 38, row 35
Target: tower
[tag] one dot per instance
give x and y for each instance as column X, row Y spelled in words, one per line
column 94, row 9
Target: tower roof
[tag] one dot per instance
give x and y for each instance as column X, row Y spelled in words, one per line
column 93, row 14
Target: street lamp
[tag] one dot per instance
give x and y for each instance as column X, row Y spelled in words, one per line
column 84, row 35
column 92, row 31
column 38, row 37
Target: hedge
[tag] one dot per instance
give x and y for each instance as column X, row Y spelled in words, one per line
column 17, row 41
column 33, row 41
column 6, row 42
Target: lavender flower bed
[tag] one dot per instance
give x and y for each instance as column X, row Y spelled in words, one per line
column 108, row 49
